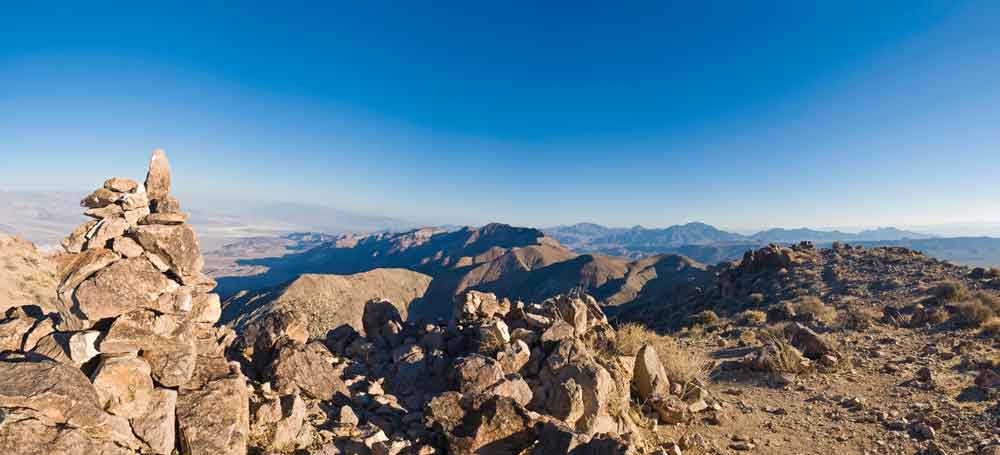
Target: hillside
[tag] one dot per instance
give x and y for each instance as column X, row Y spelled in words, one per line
column 325, row 302
column 26, row 276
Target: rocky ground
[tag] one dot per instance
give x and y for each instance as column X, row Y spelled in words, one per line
column 791, row 350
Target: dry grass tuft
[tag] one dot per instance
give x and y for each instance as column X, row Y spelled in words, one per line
column 949, row 291
column 707, row 317
column 991, row 328
column 682, row 366
column 811, row 308
column 753, row 317
column 855, row 318
column 979, row 310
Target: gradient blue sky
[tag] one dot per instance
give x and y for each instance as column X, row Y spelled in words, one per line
column 740, row 114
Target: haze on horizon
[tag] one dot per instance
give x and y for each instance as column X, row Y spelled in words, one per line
column 740, row 115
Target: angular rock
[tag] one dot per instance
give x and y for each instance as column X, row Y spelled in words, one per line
column 23, row 434
column 134, row 201
column 472, row 305
column 99, row 198
column 14, row 328
column 42, row 328
column 168, row 204
column 124, row 386
column 286, row 429
column 514, row 357
column 156, row 427
column 107, row 229
column 165, row 218
column 74, row 242
column 134, row 217
column 74, row 348
column 158, row 178
column 205, row 308
column 648, row 375
column 177, row 245
column 125, row 286
column 127, row 247
column 121, row 185
column 109, row 211
column 58, row 393
column 296, row 366
column 214, row 419
column 476, row 373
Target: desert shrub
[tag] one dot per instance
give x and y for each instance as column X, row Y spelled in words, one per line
column 779, row 356
column 811, row 308
column 682, row 365
column 990, row 300
column 948, row 291
column 938, row 316
column 973, row 313
column 705, row 317
column 756, row 299
column 991, row 328
column 753, row 317
column 855, row 318
column 993, row 272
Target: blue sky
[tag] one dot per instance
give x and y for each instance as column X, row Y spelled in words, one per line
column 740, row 114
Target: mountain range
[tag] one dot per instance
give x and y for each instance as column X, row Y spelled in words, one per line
column 639, row 241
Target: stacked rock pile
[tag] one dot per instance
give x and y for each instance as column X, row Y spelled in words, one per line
column 130, row 362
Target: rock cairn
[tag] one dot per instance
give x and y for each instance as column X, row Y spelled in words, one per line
column 131, row 361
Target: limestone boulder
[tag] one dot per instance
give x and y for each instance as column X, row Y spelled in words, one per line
column 178, row 247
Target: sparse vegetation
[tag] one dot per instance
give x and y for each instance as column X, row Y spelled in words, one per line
column 978, row 310
column 855, row 318
column 991, row 328
column 811, row 308
column 682, row 366
column 706, row 317
column 949, row 291
column 753, row 317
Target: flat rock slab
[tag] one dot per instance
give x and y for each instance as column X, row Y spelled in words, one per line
column 125, row 286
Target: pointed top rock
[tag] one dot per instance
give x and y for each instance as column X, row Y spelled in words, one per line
column 158, row 177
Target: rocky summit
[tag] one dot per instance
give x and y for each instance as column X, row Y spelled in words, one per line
column 120, row 346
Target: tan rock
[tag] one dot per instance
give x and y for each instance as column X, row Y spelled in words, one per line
column 648, row 375
column 127, row 247
column 286, row 429
column 167, row 204
column 123, row 385
column 58, row 393
column 74, row 242
column 514, row 388
column 297, row 366
column 120, row 185
column 206, row 308
column 514, row 357
column 99, row 198
column 108, row 211
column 166, row 218
column 42, row 328
column 107, row 229
column 81, row 267
column 124, row 286
column 22, row 433
column 158, row 177
column 214, row 419
column 476, row 373
column 73, row 348
column 134, row 201
column 134, row 217
column 177, row 245
column 156, row 427
column 14, row 328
